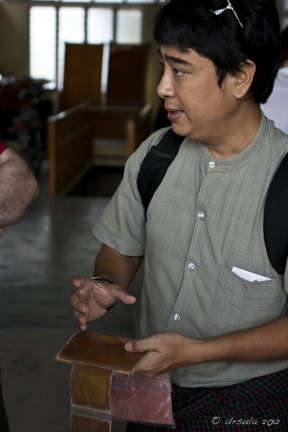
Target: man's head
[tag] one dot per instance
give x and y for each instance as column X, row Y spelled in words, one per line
column 228, row 33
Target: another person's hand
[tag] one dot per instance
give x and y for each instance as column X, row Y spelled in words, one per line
column 91, row 299
column 164, row 352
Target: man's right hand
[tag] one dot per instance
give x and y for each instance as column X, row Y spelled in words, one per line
column 91, row 299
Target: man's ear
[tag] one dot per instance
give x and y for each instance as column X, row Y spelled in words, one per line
column 244, row 79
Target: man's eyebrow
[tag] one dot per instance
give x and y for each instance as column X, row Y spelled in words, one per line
column 174, row 59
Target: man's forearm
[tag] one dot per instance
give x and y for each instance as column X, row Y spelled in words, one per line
column 18, row 187
column 119, row 268
column 268, row 342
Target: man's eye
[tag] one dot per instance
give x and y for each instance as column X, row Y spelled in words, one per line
column 177, row 72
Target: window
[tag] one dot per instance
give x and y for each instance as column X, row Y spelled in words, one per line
column 71, row 29
column 129, row 26
column 43, row 43
column 100, row 30
column 51, row 26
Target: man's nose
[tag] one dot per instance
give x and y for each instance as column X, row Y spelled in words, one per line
column 165, row 88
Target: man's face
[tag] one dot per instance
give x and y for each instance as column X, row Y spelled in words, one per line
column 197, row 107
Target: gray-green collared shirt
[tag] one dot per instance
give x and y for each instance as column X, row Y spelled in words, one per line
column 205, row 219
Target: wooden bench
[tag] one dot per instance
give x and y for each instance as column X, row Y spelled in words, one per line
column 93, row 134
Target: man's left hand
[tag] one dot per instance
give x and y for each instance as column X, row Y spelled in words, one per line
column 164, row 352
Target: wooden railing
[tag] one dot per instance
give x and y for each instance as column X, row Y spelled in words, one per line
column 73, row 136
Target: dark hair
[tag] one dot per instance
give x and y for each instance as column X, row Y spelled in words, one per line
column 188, row 24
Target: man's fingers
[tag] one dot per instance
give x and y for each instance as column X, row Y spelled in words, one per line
column 81, row 319
column 78, row 281
column 78, row 304
column 113, row 292
column 125, row 297
column 91, row 299
column 138, row 345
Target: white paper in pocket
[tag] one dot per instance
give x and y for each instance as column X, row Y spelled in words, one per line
column 249, row 276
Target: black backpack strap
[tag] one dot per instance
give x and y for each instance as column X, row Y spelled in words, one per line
column 155, row 165
column 276, row 218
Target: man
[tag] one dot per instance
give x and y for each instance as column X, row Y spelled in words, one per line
column 212, row 310
column 18, row 188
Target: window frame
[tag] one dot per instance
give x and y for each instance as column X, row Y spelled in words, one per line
column 86, row 6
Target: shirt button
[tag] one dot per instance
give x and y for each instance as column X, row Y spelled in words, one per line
column 212, row 164
column 201, row 215
column 191, row 266
column 176, row 317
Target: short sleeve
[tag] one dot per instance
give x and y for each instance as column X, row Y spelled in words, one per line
column 123, row 225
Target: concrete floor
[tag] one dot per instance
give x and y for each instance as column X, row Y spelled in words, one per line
column 37, row 258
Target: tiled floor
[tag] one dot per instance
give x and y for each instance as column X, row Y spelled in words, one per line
column 37, row 258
